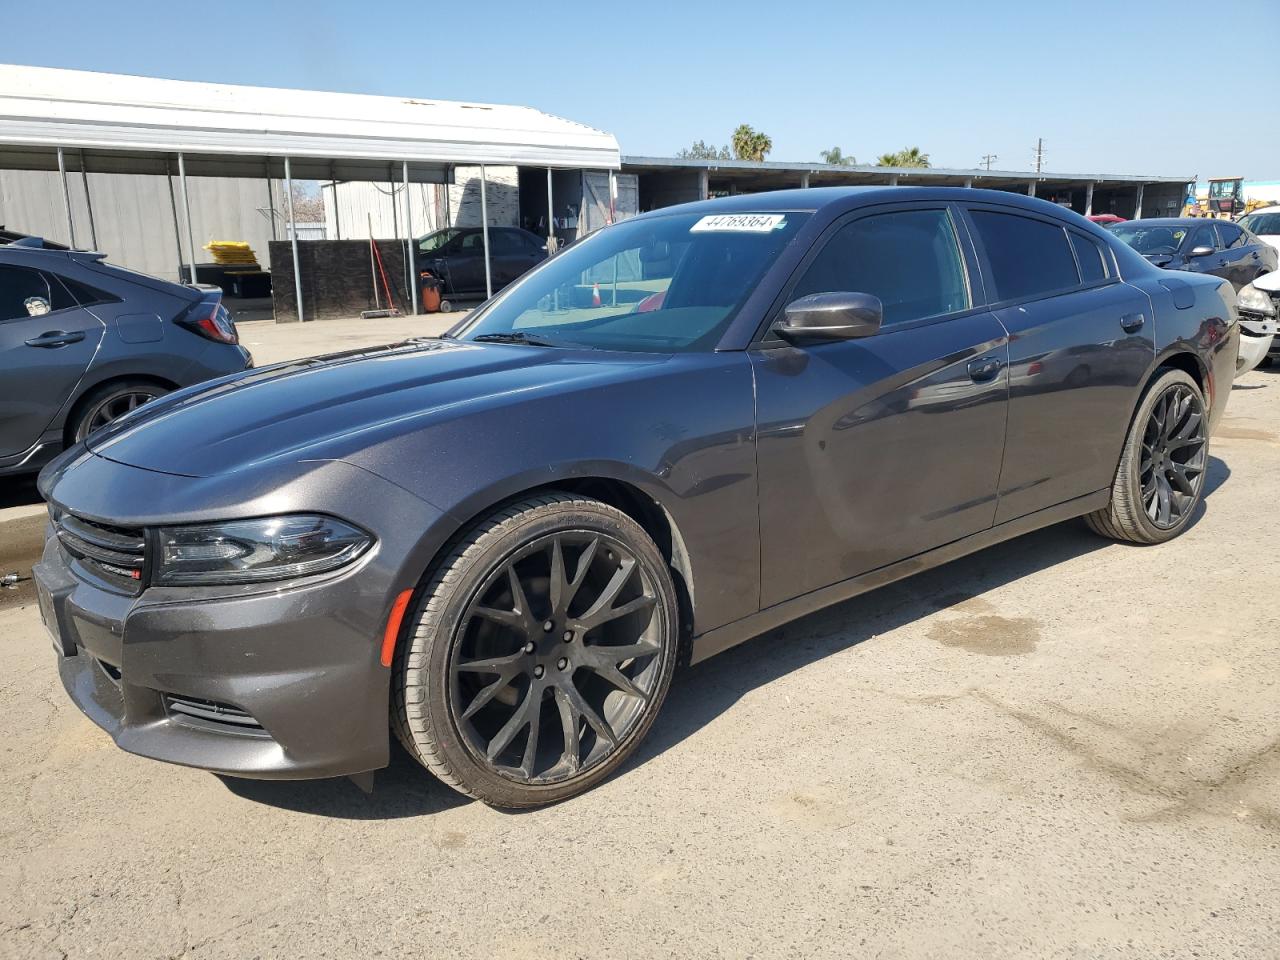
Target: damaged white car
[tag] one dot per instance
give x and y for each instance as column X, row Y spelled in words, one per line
column 1259, row 304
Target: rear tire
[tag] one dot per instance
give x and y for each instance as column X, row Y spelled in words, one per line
column 541, row 650
column 1160, row 479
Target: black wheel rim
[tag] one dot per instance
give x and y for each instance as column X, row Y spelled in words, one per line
column 116, row 405
column 1173, row 457
column 557, row 658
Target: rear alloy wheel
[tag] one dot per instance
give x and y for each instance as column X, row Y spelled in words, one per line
column 113, row 401
column 542, row 650
column 1161, row 475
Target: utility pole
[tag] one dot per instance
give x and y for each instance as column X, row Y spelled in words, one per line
column 1039, row 153
column 988, row 159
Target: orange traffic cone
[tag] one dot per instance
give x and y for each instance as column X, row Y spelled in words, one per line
column 595, row 294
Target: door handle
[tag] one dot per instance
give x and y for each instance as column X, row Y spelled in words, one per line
column 56, row 338
column 1132, row 322
column 984, row 369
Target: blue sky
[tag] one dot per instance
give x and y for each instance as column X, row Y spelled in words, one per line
column 1120, row 87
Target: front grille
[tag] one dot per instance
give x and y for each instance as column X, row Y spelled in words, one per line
column 117, row 554
column 211, row 713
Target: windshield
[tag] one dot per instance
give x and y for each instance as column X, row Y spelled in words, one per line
column 659, row 284
column 1150, row 239
column 434, row 241
column 1262, row 223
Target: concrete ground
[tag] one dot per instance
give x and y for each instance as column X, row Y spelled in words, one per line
column 1059, row 747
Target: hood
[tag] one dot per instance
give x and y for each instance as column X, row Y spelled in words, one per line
column 1269, row 282
column 323, row 407
column 1159, row 259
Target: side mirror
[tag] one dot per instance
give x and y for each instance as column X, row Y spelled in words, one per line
column 1199, row 252
column 821, row 317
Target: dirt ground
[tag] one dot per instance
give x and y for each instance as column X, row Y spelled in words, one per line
column 1059, row 747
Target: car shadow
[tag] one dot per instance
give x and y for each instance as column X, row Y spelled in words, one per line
column 701, row 693
column 401, row 789
column 19, row 492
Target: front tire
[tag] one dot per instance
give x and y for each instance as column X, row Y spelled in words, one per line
column 1160, row 479
column 108, row 402
column 540, row 652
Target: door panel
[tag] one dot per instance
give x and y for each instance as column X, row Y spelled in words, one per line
column 872, row 450
column 1075, row 372
column 36, row 379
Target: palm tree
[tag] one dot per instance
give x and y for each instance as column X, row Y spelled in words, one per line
column 749, row 144
column 906, row 157
column 836, row 157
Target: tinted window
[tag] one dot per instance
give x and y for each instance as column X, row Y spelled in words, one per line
column 1262, row 223
column 60, row 297
column 1029, row 258
column 507, row 242
column 1089, row 256
column 1202, row 236
column 473, row 242
column 84, row 295
column 1232, row 236
column 909, row 260
column 16, row 285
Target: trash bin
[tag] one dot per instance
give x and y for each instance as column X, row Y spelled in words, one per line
column 431, row 287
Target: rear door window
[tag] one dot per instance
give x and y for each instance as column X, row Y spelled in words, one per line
column 1232, row 236
column 909, row 259
column 17, row 286
column 1028, row 258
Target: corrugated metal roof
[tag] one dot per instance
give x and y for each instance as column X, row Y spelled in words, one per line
column 45, row 107
column 871, row 171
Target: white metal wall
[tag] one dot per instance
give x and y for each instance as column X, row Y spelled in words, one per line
column 134, row 217
column 358, row 203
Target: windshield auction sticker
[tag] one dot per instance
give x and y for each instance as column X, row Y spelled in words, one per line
column 740, row 223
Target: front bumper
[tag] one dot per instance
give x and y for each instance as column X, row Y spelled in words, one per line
column 277, row 681
column 294, row 662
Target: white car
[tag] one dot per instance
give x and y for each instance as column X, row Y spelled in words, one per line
column 1264, row 224
column 1259, row 304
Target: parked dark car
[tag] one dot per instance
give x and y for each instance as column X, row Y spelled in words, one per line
column 1200, row 245
column 455, row 256
column 82, row 342
column 506, row 537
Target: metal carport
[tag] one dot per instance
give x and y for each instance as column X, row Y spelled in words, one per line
column 84, row 122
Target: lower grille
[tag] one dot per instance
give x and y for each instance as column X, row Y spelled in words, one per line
column 211, row 712
column 117, row 554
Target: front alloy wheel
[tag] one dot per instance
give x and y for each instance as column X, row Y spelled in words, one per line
column 541, row 654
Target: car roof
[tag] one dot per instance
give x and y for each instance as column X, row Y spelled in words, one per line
column 1169, row 221
column 820, row 198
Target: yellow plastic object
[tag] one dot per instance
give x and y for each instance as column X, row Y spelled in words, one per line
column 231, row 252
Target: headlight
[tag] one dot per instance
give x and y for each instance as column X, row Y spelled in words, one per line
column 250, row 551
column 1252, row 300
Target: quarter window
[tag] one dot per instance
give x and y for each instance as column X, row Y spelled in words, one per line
column 1028, row 258
column 16, row 286
column 909, row 259
column 1093, row 266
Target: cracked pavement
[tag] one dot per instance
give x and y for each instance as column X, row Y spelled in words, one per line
column 1058, row 747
